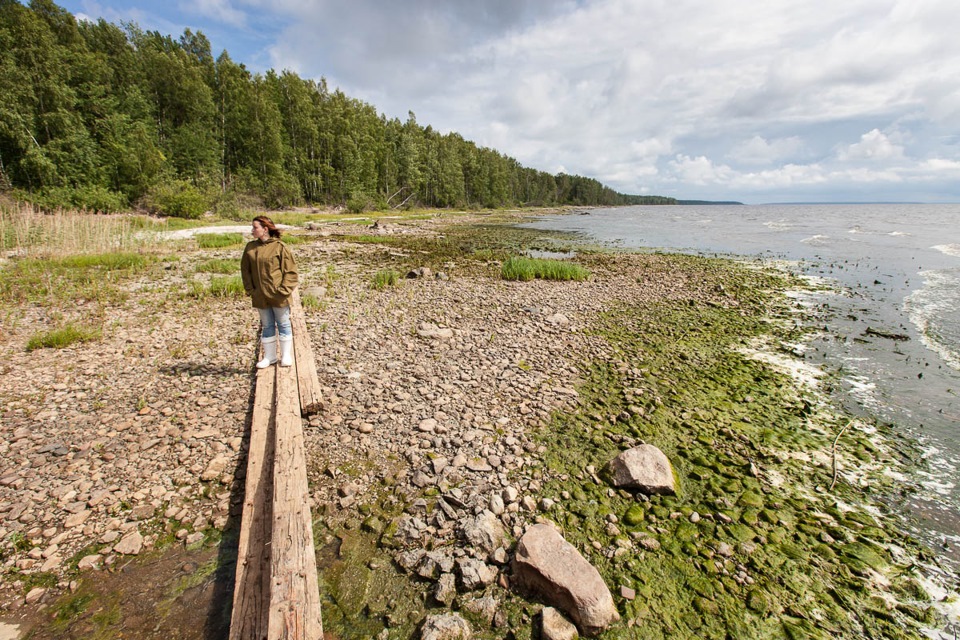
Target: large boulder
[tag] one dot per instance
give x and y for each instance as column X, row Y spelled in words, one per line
column 551, row 567
column 645, row 468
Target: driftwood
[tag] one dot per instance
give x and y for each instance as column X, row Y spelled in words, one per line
column 277, row 593
column 294, row 592
column 252, row 591
column 870, row 331
column 835, row 441
column 307, row 380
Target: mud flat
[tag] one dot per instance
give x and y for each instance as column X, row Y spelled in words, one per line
column 455, row 402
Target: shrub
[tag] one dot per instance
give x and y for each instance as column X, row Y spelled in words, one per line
column 218, row 240
column 177, row 198
column 358, row 202
column 62, row 337
column 385, row 278
column 523, row 269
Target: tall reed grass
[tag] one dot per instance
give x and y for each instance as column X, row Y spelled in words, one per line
column 27, row 231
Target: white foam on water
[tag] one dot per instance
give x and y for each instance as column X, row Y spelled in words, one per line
column 937, row 298
column 948, row 249
column 779, row 225
column 817, row 240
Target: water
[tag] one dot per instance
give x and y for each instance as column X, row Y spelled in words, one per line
column 892, row 329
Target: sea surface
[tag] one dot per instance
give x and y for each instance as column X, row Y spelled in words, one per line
column 890, row 324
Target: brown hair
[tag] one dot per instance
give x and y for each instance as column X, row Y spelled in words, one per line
column 267, row 224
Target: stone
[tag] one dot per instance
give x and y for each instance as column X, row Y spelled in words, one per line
column 35, row 595
column 130, row 545
column 89, row 562
column 445, row 590
column 475, row 574
column 485, row 607
column 446, row 626
column 77, row 519
column 644, row 467
column 214, row 469
column 553, row 569
column 428, row 330
column 485, row 531
column 553, row 626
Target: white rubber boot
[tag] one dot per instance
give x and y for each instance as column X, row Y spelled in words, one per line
column 286, row 351
column 269, row 352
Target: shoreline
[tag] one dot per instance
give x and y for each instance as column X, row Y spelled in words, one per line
column 513, row 366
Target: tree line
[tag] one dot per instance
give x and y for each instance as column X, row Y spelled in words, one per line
column 104, row 117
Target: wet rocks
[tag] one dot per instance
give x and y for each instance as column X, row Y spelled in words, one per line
column 551, row 567
column 645, row 468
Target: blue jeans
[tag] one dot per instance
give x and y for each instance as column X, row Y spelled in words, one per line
column 273, row 318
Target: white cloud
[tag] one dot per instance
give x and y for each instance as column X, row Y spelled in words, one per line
column 873, row 145
column 648, row 97
column 757, row 150
column 219, row 10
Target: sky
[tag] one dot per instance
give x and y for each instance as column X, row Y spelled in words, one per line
column 776, row 101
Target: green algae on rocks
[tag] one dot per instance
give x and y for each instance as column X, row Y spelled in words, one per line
column 752, row 545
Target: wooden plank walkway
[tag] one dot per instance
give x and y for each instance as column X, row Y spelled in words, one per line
column 277, row 594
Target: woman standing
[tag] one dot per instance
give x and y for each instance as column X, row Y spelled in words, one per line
column 269, row 277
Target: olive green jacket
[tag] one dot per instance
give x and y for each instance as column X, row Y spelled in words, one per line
column 269, row 273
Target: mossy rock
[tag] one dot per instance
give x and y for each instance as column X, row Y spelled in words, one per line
column 874, row 533
column 741, row 533
column 792, row 551
column 859, row 518
column 761, row 602
column 799, row 629
column 859, row 556
column 769, row 516
column 634, row 516
column 701, row 586
column 750, row 517
column 751, row 499
column 706, row 607
column 686, row 531
column 825, row 551
column 661, row 512
column 373, row 524
column 733, row 486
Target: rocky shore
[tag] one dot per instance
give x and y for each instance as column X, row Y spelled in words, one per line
column 461, row 411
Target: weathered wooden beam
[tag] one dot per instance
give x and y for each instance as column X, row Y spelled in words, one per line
column 251, row 594
column 307, row 379
column 294, row 590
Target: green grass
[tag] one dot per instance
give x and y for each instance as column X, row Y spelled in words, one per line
column 218, row 240
column 222, row 266
column 291, row 239
column 385, row 278
column 68, row 279
column 524, row 269
column 107, row 261
column 311, row 302
column 62, row 337
column 226, row 287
